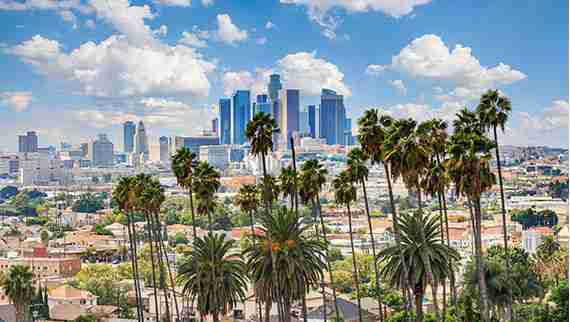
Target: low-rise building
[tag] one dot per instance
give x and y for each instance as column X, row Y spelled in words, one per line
column 68, row 295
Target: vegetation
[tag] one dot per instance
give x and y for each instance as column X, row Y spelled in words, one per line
column 89, row 203
column 531, row 218
column 17, row 285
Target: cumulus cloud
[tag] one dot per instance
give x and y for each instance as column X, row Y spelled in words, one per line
column 153, row 102
column 174, row 3
column 193, row 39
column 270, row 25
column 160, row 31
column 375, row 70
column 69, row 16
column 111, row 68
column 399, row 85
column 320, row 11
column 90, row 24
column 207, row 3
column 302, row 70
column 18, row 101
column 63, row 8
column 228, row 32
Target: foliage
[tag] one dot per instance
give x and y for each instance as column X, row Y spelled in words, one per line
column 180, row 239
column 559, row 189
column 18, row 287
column 39, row 220
column 559, row 296
column 88, row 203
column 103, row 281
column 531, row 218
column 102, row 230
column 8, row 192
column 87, row 317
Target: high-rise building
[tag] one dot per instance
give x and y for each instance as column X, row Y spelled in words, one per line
column 274, row 87
column 332, row 117
column 100, row 152
column 129, row 129
column 311, row 120
column 289, row 106
column 348, row 132
column 141, row 140
column 193, row 143
column 263, row 105
column 225, row 121
column 216, row 155
column 241, row 114
column 28, row 142
column 215, row 126
column 164, row 144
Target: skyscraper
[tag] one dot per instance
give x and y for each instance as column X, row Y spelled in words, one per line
column 262, row 104
column 312, row 121
column 215, row 125
column 129, row 129
column 164, row 148
column 274, row 86
column 28, row 142
column 348, row 131
column 140, row 140
column 241, row 115
column 332, row 117
column 289, row 106
column 225, row 121
column 100, row 152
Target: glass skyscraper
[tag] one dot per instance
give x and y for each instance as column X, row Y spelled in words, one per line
column 289, row 103
column 241, row 115
column 262, row 104
column 129, row 129
column 225, row 121
column 274, row 86
column 332, row 117
column 312, row 121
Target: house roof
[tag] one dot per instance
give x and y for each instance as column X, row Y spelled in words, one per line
column 348, row 311
column 66, row 312
column 66, row 292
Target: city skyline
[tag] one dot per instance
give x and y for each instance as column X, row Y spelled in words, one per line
column 402, row 58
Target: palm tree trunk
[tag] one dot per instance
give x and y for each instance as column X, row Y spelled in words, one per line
column 194, row 234
column 172, row 284
column 132, row 242
column 434, row 298
column 354, row 267
column 153, row 265
column 376, row 271
column 323, row 279
column 329, row 266
column 479, row 259
column 440, row 203
column 419, row 296
column 397, row 234
column 252, row 223
column 268, row 310
column 504, row 217
column 156, row 236
column 452, row 276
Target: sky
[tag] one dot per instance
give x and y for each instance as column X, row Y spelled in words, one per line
column 70, row 69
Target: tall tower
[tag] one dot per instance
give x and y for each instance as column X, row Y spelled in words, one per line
column 141, row 140
column 332, row 117
column 263, row 105
column 28, row 142
column 312, row 120
column 129, row 129
column 274, row 86
column 225, row 121
column 241, row 115
column 289, row 106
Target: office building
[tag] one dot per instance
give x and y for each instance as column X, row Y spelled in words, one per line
column 193, row 143
column 215, row 126
column 303, row 123
column 274, row 87
column 164, row 147
column 263, row 105
column 225, row 121
column 348, row 139
column 311, row 118
column 289, row 110
column 129, row 129
column 216, row 155
column 141, row 140
column 332, row 117
column 241, row 105
column 42, row 171
column 100, row 152
column 28, row 142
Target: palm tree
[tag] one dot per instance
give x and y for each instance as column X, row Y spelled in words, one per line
column 124, row 196
column 548, row 247
column 493, row 111
column 259, row 132
column 358, row 168
column 284, row 263
column 17, row 284
column 425, row 257
column 468, row 167
column 206, row 182
column 269, row 189
column 311, row 181
column 183, row 164
column 213, row 275
column 288, row 184
column 345, row 194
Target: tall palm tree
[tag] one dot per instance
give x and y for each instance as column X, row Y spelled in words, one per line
column 214, row 275
column 373, row 133
column 311, row 181
column 425, row 257
column 17, row 284
column 124, row 196
column 288, row 184
column 269, row 189
column 285, row 262
column 493, row 111
column 183, row 164
column 345, row 194
column 357, row 167
column 548, row 247
column 206, row 182
column 468, row 167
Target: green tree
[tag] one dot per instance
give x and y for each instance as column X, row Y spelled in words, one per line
column 424, row 254
column 88, row 203
column 206, row 183
column 183, row 164
column 17, row 285
column 213, row 275
column 559, row 296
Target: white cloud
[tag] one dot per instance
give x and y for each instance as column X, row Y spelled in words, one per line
column 228, row 32
column 69, row 16
column 192, row 39
column 319, row 11
column 112, row 68
column 153, row 102
column 375, row 70
column 18, row 101
column 90, row 24
column 174, row 3
column 161, row 31
column 270, row 25
column 207, row 3
column 261, row 41
column 399, row 85
column 13, row 5
column 237, row 80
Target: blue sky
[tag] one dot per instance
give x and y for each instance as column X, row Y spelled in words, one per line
column 71, row 69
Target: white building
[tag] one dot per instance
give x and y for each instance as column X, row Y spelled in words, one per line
column 42, row 171
column 69, row 295
column 531, row 240
column 217, row 155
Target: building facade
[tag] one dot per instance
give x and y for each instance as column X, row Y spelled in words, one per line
column 311, row 114
column 129, row 129
column 274, row 87
column 28, row 142
column 289, row 103
column 225, row 121
column 241, row 115
column 100, row 152
column 332, row 117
